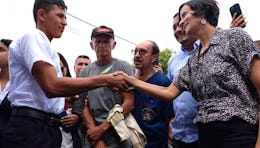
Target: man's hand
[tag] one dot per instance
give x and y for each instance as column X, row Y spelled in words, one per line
column 94, row 134
column 238, row 21
column 158, row 67
column 127, row 80
column 100, row 144
column 125, row 76
column 117, row 80
column 70, row 120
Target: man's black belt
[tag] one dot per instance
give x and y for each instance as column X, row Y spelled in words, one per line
column 51, row 119
column 5, row 108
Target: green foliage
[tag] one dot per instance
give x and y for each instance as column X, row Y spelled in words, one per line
column 164, row 57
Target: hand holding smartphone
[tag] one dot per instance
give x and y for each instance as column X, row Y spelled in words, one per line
column 235, row 9
column 238, row 20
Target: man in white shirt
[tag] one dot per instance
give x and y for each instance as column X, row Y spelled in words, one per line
column 36, row 83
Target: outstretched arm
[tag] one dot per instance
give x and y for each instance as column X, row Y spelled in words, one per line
column 46, row 76
column 94, row 132
column 155, row 91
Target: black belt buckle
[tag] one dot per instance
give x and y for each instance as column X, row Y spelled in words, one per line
column 54, row 121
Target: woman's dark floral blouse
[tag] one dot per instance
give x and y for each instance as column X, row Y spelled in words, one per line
column 220, row 78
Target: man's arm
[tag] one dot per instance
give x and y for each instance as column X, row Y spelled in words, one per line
column 53, row 86
column 128, row 102
column 93, row 132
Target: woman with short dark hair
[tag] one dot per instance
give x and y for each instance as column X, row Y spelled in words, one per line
column 223, row 75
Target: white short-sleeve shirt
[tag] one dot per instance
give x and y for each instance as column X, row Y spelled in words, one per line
column 4, row 92
column 24, row 89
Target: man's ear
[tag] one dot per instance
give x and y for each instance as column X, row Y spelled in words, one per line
column 114, row 45
column 91, row 45
column 41, row 15
column 154, row 58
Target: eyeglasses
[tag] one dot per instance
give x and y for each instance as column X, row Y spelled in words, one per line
column 140, row 51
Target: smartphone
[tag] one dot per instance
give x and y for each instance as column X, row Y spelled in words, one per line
column 156, row 62
column 235, row 9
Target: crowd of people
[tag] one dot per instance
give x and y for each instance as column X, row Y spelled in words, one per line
column 209, row 98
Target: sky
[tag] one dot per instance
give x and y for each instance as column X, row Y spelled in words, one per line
column 133, row 21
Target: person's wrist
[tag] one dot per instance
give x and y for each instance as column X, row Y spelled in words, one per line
column 132, row 81
column 104, row 127
column 104, row 80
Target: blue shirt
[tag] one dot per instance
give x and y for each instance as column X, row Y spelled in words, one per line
column 184, row 106
column 150, row 114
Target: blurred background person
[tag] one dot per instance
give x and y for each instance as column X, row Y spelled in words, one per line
column 77, row 107
column 80, row 62
column 185, row 107
column 5, row 109
column 64, row 66
column 70, row 138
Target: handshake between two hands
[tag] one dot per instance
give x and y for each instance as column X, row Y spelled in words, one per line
column 121, row 82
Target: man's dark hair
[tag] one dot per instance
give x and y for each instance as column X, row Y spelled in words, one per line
column 6, row 42
column 155, row 48
column 46, row 5
column 82, row 56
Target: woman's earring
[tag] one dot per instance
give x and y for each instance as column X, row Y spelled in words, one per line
column 203, row 21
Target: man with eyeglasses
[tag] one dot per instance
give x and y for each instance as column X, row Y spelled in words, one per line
column 151, row 114
column 99, row 131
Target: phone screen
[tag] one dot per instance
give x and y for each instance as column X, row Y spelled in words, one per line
column 235, row 9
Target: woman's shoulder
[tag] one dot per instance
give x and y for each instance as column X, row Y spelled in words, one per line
column 236, row 31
